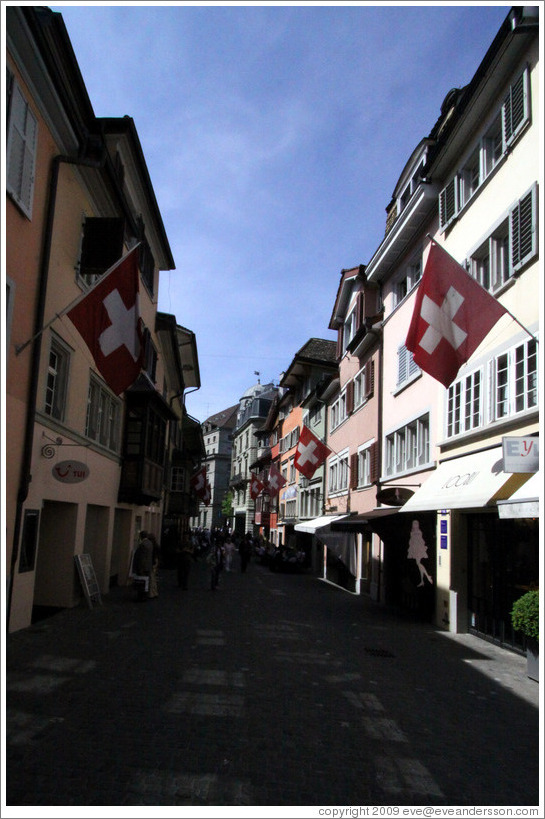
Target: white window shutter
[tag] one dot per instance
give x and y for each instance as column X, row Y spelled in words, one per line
column 523, row 230
column 448, row 203
column 21, row 151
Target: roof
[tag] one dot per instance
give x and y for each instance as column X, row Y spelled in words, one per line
column 222, row 418
column 318, row 350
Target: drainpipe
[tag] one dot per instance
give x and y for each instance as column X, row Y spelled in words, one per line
column 26, row 476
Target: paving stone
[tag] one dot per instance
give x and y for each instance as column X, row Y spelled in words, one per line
column 277, row 690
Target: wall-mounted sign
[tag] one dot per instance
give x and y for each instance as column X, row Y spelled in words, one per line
column 70, row 471
column 520, row 454
column 394, row 495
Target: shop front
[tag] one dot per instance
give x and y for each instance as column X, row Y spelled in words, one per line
column 484, row 560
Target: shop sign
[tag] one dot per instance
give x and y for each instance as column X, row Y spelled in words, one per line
column 520, row 454
column 70, row 471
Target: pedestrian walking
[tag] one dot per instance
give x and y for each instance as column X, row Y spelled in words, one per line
column 245, row 551
column 184, row 558
column 214, row 561
column 154, row 574
column 230, row 549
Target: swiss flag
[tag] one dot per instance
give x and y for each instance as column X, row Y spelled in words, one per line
column 452, row 315
column 108, row 319
column 255, row 486
column 275, row 481
column 201, row 487
column 310, row 453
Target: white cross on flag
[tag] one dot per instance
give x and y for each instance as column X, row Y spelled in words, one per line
column 108, row 319
column 452, row 315
column 310, row 453
column 201, row 487
column 255, row 486
column 275, row 481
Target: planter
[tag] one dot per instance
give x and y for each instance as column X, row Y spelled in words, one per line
column 532, row 659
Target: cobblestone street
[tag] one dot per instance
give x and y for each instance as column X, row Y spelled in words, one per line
column 276, row 689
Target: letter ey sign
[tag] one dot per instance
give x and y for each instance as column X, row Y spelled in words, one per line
column 520, row 454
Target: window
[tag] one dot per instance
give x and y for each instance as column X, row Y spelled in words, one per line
column 57, row 380
column 406, row 367
column 292, row 471
column 513, row 377
column 22, row 134
column 464, row 404
column 101, row 247
column 505, row 129
column 338, row 473
column 177, row 479
column 350, row 327
column 338, row 411
column 409, row 279
column 150, row 356
column 469, row 178
column 512, row 244
column 103, row 416
column 364, row 384
column 364, row 465
column 29, row 540
column 492, row 147
column 408, row 447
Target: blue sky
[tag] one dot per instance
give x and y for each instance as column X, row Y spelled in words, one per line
column 274, row 136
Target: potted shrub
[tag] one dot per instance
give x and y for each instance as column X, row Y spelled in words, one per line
column 525, row 618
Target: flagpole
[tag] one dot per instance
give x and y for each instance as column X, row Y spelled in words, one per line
column 509, row 313
column 20, row 347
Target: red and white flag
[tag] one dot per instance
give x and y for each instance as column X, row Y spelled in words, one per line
column 310, row 453
column 108, row 319
column 255, row 486
column 201, row 486
column 452, row 315
column 275, row 481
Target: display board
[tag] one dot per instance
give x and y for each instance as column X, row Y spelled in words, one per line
column 88, row 580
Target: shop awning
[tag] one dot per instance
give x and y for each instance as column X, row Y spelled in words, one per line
column 469, row 482
column 357, row 522
column 524, row 503
column 312, row 526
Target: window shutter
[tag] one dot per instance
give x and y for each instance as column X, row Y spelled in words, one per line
column 369, row 379
column 515, row 108
column 21, row 151
column 102, row 245
column 354, row 470
column 522, row 231
column 402, row 371
column 359, row 310
column 374, row 467
column 448, row 203
column 350, row 397
column 339, row 342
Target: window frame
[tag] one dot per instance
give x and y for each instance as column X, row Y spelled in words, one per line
column 102, row 404
column 56, row 382
column 397, row 446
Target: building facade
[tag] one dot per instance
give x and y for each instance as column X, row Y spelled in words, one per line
column 217, row 433
column 253, row 409
column 471, row 186
column 86, row 468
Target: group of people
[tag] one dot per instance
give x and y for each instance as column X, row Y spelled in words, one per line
column 217, row 547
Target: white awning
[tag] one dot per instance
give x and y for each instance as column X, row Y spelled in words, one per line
column 468, row 482
column 312, row 526
column 524, row 503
